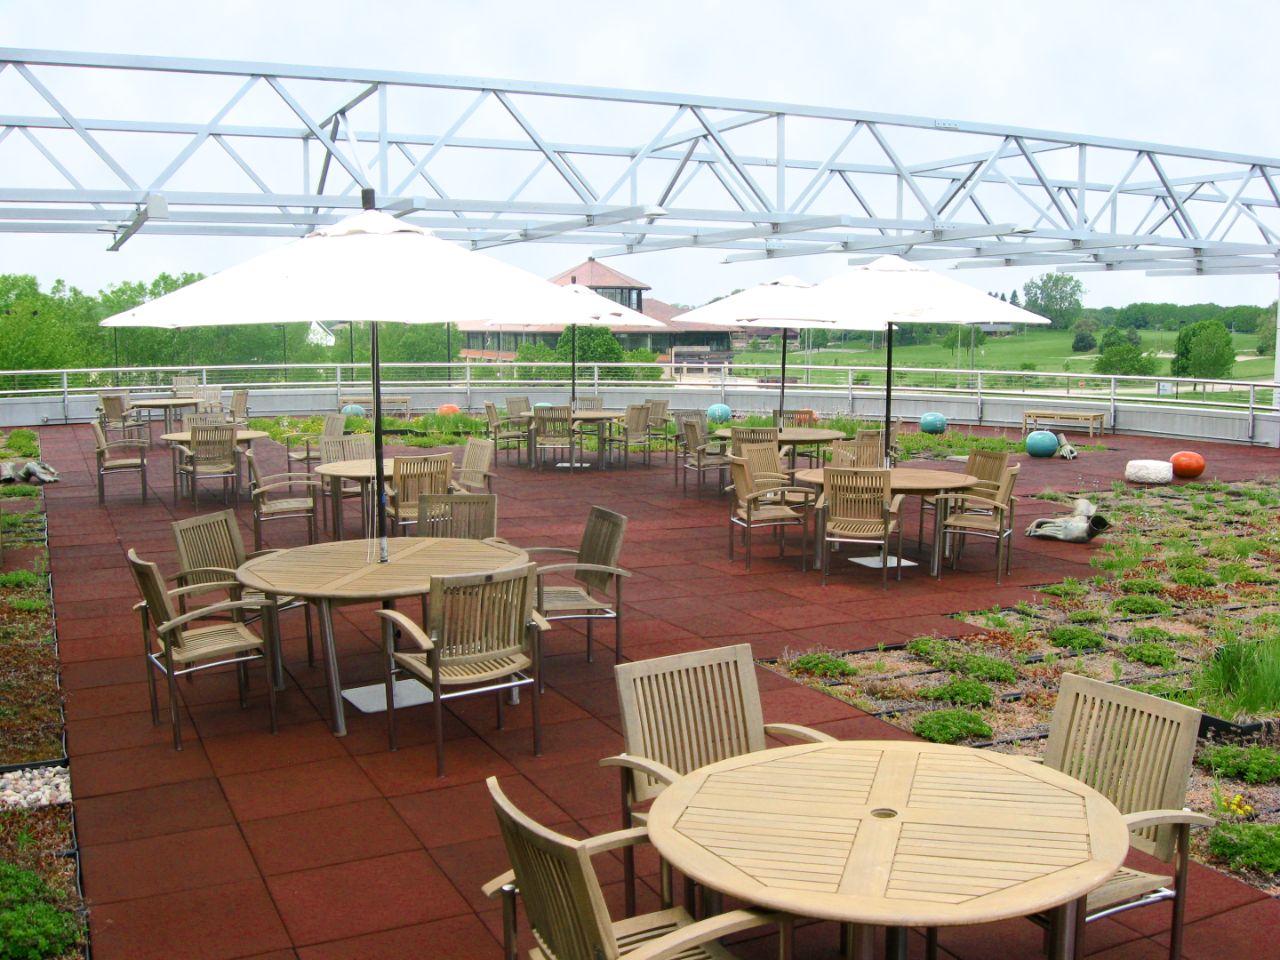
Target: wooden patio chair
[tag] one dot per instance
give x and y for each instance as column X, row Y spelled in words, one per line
column 740, row 435
column 481, row 637
column 411, row 477
column 588, row 403
column 180, row 648
column 238, row 409
column 118, row 456
column 475, row 475
column 116, row 414
column 770, row 506
column 333, row 427
column 683, row 712
column 468, row 516
column 1136, row 750
column 192, row 419
column 701, row 455
column 658, row 420
column 566, row 908
column 506, row 433
column 800, row 418
column 631, row 430
column 212, row 455
column 860, row 508
column 357, row 446
column 210, row 398
column 681, row 450
column 276, row 496
column 517, row 406
column 184, row 385
column 553, row 430
column 983, row 514
column 595, row 590
column 862, row 454
column 987, row 465
column 210, row 550
column 768, row 469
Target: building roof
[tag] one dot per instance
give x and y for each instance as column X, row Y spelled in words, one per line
column 592, row 273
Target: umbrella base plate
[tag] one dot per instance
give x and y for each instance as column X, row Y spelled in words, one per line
column 373, row 698
column 874, row 563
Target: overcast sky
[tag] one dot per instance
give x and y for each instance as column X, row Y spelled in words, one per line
column 1180, row 72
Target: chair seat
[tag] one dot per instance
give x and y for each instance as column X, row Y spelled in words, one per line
column 853, row 527
column 768, row 514
column 122, row 463
column 209, row 466
column 477, row 671
column 269, row 508
column 571, row 598
column 634, row 932
column 1128, row 884
column 980, row 523
column 205, row 643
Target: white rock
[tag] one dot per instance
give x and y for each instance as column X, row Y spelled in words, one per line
column 1148, row 471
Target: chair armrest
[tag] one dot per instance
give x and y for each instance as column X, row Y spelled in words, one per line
column 133, row 444
column 652, row 768
column 226, row 571
column 539, row 621
column 615, row 840
column 185, row 451
column 1142, row 819
column 493, row 888
column 771, row 492
column 679, row 941
column 254, row 554
column 204, row 612
column 799, row 732
column 896, row 503
column 411, row 629
column 592, row 567
column 566, row 550
column 264, row 487
column 967, row 498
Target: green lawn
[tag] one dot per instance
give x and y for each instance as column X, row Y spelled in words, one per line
column 1046, row 351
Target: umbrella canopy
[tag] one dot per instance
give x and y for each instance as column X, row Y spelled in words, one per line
column 776, row 303
column 368, row 267
column 600, row 312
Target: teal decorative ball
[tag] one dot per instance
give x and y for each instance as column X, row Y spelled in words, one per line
column 719, row 412
column 1042, row 443
column 933, row 423
column 539, row 406
column 353, row 410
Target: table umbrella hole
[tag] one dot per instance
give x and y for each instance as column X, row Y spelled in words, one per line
column 884, row 813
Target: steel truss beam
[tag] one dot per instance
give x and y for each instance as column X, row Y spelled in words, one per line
column 153, row 147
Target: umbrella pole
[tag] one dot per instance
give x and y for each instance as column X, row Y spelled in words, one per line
column 379, row 476
column 573, row 364
column 888, row 390
column 782, row 393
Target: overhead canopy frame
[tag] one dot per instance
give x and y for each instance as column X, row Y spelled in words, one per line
column 155, row 146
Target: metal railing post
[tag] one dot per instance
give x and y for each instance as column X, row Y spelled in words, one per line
column 1113, row 403
column 978, row 386
column 724, row 384
column 66, row 399
column 1252, row 393
column 337, row 385
column 466, row 375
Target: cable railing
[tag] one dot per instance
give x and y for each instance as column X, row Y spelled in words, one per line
column 751, row 386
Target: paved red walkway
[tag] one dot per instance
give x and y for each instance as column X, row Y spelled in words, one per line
column 304, row 845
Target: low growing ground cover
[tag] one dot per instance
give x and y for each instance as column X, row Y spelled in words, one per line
column 41, row 911
column 1184, row 606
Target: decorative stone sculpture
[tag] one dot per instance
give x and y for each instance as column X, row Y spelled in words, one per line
column 1148, row 471
column 1187, row 464
column 1042, row 443
column 933, row 423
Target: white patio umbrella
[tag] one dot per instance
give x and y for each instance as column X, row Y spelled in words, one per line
column 775, row 303
column 368, row 267
column 600, row 311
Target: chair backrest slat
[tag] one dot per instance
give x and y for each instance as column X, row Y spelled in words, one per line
column 151, row 586
column 517, row 406
column 476, row 617
column 209, row 540
column 853, row 494
column 740, row 435
column 477, row 460
column 552, row 425
column 689, row 710
column 469, row 516
column 558, row 886
column 1133, row 748
column 601, row 544
column 636, row 419
column 414, row 476
column 358, row 446
column 213, row 443
column 865, row 454
column 589, row 403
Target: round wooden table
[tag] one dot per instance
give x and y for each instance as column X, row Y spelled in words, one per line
column 362, row 472
column 892, row 833
column 911, row 481
column 599, row 418
column 348, row 571
column 794, row 436
column 166, row 404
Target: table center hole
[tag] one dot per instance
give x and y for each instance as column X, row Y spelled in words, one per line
column 884, row 813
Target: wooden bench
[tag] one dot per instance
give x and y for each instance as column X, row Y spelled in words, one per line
column 401, row 407
column 1035, row 418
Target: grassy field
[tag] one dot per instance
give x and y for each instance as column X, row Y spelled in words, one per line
column 1046, row 351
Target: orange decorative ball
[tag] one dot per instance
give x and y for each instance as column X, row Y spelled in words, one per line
column 1187, row 464
column 447, row 408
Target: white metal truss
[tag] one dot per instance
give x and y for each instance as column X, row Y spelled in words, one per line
column 153, row 146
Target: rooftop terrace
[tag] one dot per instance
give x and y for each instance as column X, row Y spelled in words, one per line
column 308, row 846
